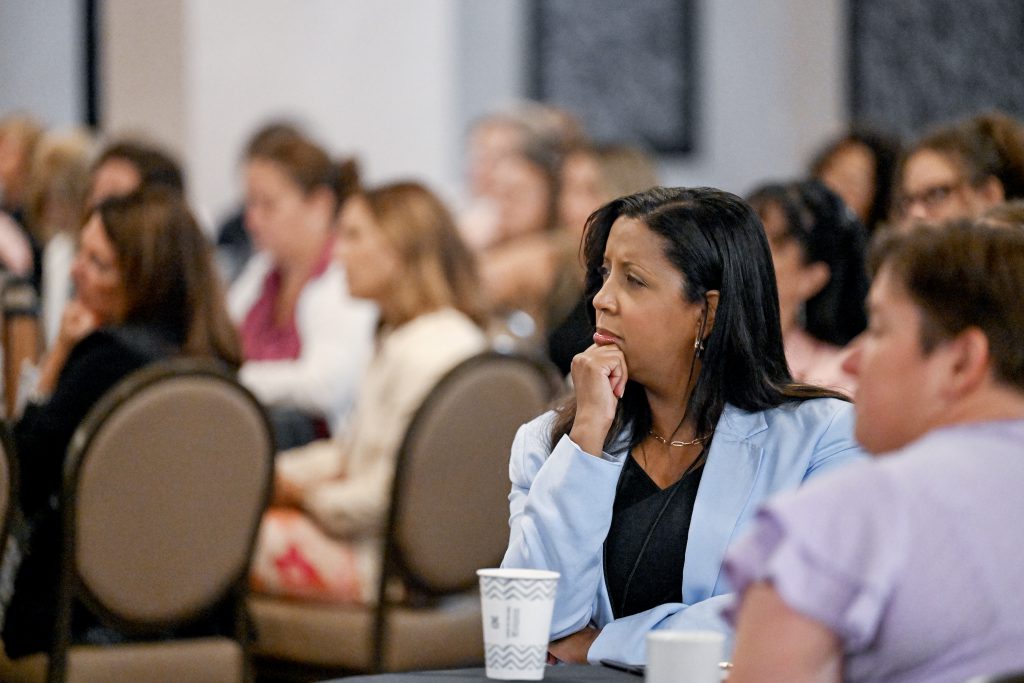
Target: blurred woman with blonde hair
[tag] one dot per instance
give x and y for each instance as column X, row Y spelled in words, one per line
column 401, row 250
column 57, row 190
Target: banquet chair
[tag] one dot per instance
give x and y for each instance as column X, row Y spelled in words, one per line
column 165, row 482
column 448, row 516
column 21, row 335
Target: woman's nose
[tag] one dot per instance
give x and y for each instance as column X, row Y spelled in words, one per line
column 604, row 300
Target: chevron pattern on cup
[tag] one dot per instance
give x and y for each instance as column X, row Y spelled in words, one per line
column 518, row 589
column 517, row 657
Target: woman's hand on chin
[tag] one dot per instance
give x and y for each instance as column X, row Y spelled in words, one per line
column 76, row 323
column 599, row 376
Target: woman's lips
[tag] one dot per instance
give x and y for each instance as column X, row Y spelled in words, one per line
column 604, row 338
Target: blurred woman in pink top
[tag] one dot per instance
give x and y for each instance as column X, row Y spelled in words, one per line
column 818, row 250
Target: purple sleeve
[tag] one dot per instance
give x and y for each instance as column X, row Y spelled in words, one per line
column 832, row 550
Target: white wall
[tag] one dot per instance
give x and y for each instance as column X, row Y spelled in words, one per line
column 142, row 71
column 396, row 81
column 772, row 86
column 41, row 56
column 372, row 78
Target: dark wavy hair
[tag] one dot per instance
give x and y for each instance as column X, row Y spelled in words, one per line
column 885, row 151
column 166, row 265
column 827, row 232
column 716, row 242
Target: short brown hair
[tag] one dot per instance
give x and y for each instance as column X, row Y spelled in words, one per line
column 963, row 274
column 306, row 164
column 168, row 271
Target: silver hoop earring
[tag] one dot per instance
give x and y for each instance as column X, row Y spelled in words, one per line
column 698, row 347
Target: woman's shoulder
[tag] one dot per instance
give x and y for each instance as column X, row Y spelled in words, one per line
column 440, row 327
column 325, row 301
column 799, row 415
column 444, row 337
column 244, row 291
column 820, row 413
column 531, row 447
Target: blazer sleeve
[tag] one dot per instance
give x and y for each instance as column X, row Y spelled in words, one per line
column 560, row 511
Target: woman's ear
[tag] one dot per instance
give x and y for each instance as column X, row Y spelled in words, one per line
column 970, row 362
column 992, row 191
column 711, row 309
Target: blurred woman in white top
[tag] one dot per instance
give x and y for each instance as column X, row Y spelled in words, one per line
column 305, row 340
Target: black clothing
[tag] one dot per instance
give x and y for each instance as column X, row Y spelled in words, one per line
column 41, row 440
column 646, row 545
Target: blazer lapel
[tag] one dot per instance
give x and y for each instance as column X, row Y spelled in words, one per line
column 725, row 487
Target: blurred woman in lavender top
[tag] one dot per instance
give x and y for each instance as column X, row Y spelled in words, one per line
column 908, row 568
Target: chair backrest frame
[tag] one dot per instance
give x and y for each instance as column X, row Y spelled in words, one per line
column 394, row 564
column 72, row 589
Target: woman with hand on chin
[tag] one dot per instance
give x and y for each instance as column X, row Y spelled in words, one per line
column 145, row 290
column 684, row 417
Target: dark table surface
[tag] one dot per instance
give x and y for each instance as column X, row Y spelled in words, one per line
column 574, row 672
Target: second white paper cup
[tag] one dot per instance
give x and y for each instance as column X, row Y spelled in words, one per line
column 690, row 656
column 517, row 606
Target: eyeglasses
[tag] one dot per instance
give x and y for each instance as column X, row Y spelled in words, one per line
column 930, row 197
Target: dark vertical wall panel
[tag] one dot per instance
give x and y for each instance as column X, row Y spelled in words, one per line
column 627, row 68
column 915, row 63
column 91, row 61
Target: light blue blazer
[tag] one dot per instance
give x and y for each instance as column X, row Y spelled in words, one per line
column 561, row 510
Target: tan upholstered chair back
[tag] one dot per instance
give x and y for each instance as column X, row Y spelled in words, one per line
column 165, row 485
column 450, row 503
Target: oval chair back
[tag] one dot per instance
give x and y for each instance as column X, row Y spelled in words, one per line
column 165, row 484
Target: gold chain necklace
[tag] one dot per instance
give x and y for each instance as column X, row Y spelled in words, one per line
column 677, row 444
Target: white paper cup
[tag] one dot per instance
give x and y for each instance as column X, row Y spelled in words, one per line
column 517, row 606
column 684, row 656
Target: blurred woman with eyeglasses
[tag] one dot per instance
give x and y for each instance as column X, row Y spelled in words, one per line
column 960, row 170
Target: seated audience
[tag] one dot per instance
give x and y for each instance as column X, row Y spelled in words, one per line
column 58, row 186
column 860, row 167
column 402, row 251
column 960, row 170
column 907, row 568
column 591, row 176
column 145, row 290
column 684, row 417
column 818, row 250
column 305, row 341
